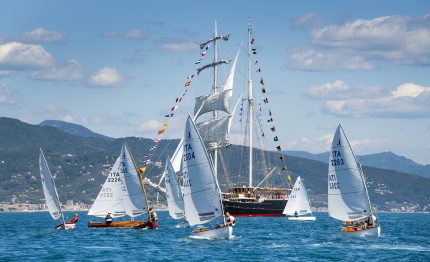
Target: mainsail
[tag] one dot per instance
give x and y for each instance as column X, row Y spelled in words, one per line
column 51, row 196
column 202, row 201
column 298, row 200
column 132, row 189
column 109, row 200
column 347, row 193
column 175, row 201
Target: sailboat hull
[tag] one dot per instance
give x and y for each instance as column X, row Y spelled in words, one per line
column 218, row 233
column 66, row 226
column 146, row 225
column 301, row 218
column 112, row 224
column 370, row 232
column 268, row 207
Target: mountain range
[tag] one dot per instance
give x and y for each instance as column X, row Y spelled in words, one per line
column 384, row 160
column 80, row 165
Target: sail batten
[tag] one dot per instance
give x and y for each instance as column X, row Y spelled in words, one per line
column 347, row 194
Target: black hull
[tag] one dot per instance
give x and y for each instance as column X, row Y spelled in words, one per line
column 268, row 207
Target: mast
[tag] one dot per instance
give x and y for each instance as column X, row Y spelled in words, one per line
column 215, row 113
column 250, row 101
column 140, row 177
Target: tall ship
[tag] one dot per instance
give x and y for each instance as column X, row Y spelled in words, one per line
column 232, row 124
column 258, row 158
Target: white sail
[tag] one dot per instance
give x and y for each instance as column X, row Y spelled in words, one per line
column 177, row 156
column 229, row 81
column 201, row 196
column 173, row 192
column 298, row 200
column 212, row 102
column 347, row 194
column 215, row 130
column 109, row 200
column 132, row 192
column 49, row 189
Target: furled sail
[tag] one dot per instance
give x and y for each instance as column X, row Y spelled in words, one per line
column 49, row 189
column 298, row 200
column 347, row 194
column 109, row 200
column 212, row 102
column 215, row 130
column 175, row 202
column 212, row 65
column 132, row 192
column 201, row 196
column 223, row 37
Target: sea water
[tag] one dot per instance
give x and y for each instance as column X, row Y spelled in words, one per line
column 29, row 236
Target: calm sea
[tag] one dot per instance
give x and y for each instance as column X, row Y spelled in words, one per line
column 30, row 236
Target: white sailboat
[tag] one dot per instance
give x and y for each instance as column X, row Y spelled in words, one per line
column 51, row 195
column 175, row 201
column 348, row 198
column 298, row 206
column 202, row 198
column 122, row 194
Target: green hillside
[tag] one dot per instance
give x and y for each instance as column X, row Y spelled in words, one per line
column 78, row 164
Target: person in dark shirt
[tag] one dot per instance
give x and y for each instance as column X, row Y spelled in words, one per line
column 74, row 219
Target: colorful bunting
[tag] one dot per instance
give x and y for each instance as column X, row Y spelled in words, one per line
column 266, row 100
column 273, row 128
column 198, row 61
column 270, row 120
column 258, row 70
column 190, row 77
column 279, row 148
column 289, row 178
column 282, row 158
column 174, row 108
column 178, row 100
column 142, row 169
column 263, row 90
column 188, row 83
column 161, row 131
column 185, row 92
column 169, row 115
column 157, row 140
column 261, row 81
column 203, row 54
column 285, row 168
column 252, row 41
column 275, row 138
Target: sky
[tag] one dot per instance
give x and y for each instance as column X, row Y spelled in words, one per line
column 117, row 67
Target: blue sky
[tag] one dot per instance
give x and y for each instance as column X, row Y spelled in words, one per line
column 117, row 67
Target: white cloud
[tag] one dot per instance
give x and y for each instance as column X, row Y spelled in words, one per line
column 151, row 125
column 71, row 70
column 41, row 35
column 132, row 34
column 367, row 44
column 54, row 112
column 105, row 119
column 318, row 145
column 107, row 77
column 6, row 73
column 18, row 56
column 407, row 101
column 339, row 90
column 180, row 47
column 9, row 96
column 307, row 20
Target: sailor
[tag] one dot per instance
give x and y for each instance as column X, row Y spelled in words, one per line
column 108, row 218
column 152, row 215
column 296, row 214
column 74, row 219
column 231, row 221
column 372, row 220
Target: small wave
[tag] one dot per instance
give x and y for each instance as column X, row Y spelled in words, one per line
column 99, row 247
column 401, row 247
